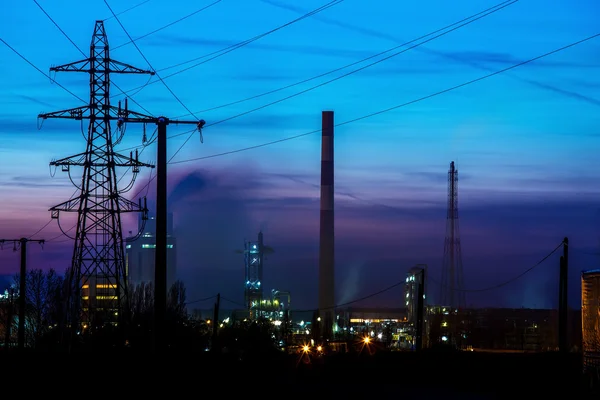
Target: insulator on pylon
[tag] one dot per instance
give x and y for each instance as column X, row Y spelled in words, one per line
column 136, row 167
column 119, row 109
column 144, row 138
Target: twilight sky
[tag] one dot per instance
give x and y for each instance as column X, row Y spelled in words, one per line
column 525, row 141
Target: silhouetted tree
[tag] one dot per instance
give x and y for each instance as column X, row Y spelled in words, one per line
column 141, row 302
column 176, row 306
column 43, row 298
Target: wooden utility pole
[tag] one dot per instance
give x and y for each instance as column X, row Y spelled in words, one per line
column 420, row 311
column 22, row 285
column 215, row 326
column 563, row 302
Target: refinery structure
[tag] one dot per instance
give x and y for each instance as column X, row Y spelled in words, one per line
column 274, row 307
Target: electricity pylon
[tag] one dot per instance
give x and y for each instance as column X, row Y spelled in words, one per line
column 98, row 282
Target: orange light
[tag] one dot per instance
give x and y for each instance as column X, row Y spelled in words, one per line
column 367, row 340
column 306, row 348
column 319, row 348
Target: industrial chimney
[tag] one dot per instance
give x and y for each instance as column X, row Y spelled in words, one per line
column 327, row 232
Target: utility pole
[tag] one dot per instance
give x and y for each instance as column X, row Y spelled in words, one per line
column 22, row 285
column 563, row 302
column 215, row 325
column 420, row 311
column 160, row 261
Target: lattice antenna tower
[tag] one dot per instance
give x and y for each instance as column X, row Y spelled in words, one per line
column 98, row 292
column 452, row 293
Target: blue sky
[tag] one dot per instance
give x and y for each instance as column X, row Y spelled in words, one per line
column 525, row 141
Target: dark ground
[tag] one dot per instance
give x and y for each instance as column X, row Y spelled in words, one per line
column 435, row 375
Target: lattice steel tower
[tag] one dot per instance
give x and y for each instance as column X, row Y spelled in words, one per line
column 98, row 284
column 452, row 294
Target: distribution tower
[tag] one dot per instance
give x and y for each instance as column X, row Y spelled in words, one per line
column 97, row 278
column 452, row 295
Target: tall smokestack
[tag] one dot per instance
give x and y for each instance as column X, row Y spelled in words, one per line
column 327, row 232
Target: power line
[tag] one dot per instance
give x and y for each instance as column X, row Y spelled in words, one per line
column 251, row 40
column 395, row 285
column 164, row 83
column 148, row 62
column 41, row 229
column 374, row 113
column 40, row 71
column 359, row 69
column 454, row 26
column 168, row 25
column 127, row 10
column 59, row 85
column 84, row 55
column 200, row 300
column 356, row 62
column 513, row 279
column 396, row 106
column 229, row 49
column 455, row 58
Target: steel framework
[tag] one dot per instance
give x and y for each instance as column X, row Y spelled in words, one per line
column 452, row 293
column 98, row 285
column 254, row 255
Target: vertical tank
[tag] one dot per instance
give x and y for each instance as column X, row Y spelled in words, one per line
column 590, row 317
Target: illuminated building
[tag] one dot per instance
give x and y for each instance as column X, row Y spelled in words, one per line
column 387, row 326
column 414, row 278
column 590, row 318
column 140, row 257
column 99, row 294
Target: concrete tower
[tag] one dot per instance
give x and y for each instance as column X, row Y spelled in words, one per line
column 327, row 232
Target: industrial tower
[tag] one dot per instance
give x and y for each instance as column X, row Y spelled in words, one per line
column 327, row 230
column 254, row 254
column 452, row 294
column 254, row 272
column 98, row 285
